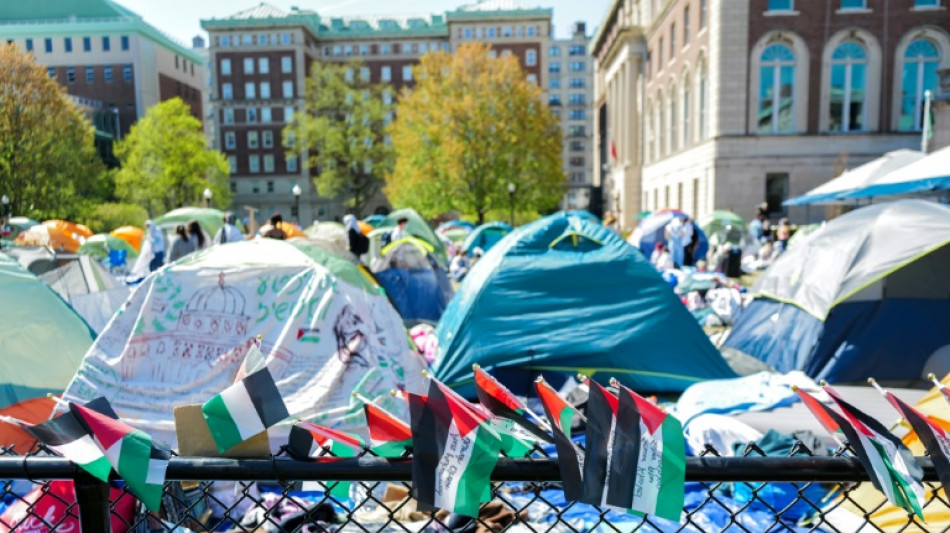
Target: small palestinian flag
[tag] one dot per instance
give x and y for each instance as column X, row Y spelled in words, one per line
column 648, row 459
column 502, row 402
column 454, row 452
column 826, row 417
column 570, row 459
column 254, row 358
column 601, row 428
column 309, row 441
column 244, row 409
column 388, row 435
column 130, row 452
column 935, row 439
column 67, row 436
column 888, row 462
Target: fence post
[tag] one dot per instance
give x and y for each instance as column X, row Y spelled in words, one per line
column 92, row 497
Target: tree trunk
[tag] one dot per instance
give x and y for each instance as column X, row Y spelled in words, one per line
column 481, row 217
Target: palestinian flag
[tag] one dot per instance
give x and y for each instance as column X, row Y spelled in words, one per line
column 570, row 459
column 244, row 409
column 502, row 402
column 936, row 440
column 67, row 436
column 454, row 452
column 647, row 468
column 888, row 462
column 826, row 417
column 388, row 435
column 602, row 409
column 310, row 441
column 254, row 359
column 130, row 452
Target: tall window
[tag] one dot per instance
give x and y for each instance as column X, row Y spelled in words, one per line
column 263, row 65
column 225, row 67
column 780, row 5
column 531, row 58
column 287, row 89
column 68, row 44
column 674, row 137
column 685, row 25
column 687, row 120
column 776, row 94
column 672, row 40
column 920, row 75
column 86, row 44
column 248, row 65
column 848, row 95
column 702, row 14
column 650, row 134
column 661, row 127
column 703, row 99
column 105, row 44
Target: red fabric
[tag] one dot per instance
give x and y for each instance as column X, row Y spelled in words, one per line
column 323, row 434
column 106, row 430
column 497, row 391
column 552, row 401
column 613, row 151
column 50, row 508
column 385, row 427
column 611, row 399
column 650, row 413
column 819, row 410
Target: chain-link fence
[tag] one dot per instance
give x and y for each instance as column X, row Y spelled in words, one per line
column 750, row 492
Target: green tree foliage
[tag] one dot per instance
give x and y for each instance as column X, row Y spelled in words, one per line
column 109, row 216
column 166, row 162
column 48, row 163
column 471, row 125
column 342, row 133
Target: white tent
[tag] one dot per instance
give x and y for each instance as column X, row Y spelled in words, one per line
column 90, row 290
column 832, row 192
column 928, row 174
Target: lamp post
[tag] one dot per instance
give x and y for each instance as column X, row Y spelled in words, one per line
column 207, row 195
column 297, row 192
column 511, row 203
column 5, row 201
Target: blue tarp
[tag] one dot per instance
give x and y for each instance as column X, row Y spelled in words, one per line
column 485, row 236
column 563, row 295
column 780, row 334
column 418, row 294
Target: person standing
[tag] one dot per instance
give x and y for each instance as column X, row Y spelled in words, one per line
column 229, row 232
column 692, row 242
column 357, row 243
column 182, row 244
column 196, row 236
column 676, row 240
column 399, row 232
column 783, row 233
column 156, row 242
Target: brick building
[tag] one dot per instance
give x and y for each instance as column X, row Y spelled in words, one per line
column 112, row 62
column 729, row 104
column 260, row 61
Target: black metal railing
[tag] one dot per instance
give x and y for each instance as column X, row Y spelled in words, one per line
column 751, row 492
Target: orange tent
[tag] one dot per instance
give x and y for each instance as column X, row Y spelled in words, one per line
column 34, row 411
column 365, row 228
column 58, row 234
column 291, row 230
column 131, row 235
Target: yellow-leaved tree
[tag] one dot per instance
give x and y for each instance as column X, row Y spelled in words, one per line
column 470, row 131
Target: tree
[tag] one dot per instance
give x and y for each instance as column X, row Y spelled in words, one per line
column 48, row 161
column 471, row 125
column 342, row 133
column 166, row 161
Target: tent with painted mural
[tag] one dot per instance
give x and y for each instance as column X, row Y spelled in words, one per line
column 865, row 295
column 564, row 295
column 38, row 331
column 327, row 330
column 415, row 282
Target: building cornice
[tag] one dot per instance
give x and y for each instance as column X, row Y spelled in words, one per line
column 615, row 41
column 609, row 21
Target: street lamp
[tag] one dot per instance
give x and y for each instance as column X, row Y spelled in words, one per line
column 5, row 200
column 297, row 192
column 207, row 195
column 511, row 203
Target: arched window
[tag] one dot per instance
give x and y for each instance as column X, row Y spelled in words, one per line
column 848, row 96
column 776, row 90
column 674, row 137
column 687, row 120
column 702, row 85
column 920, row 74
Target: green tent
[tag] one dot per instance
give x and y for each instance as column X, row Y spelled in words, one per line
column 417, row 227
column 99, row 246
column 42, row 340
column 723, row 226
column 209, row 219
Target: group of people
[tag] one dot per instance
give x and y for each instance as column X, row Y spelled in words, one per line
column 678, row 250
column 774, row 240
column 189, row 238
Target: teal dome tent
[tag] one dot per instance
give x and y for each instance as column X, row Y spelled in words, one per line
column 564, row 295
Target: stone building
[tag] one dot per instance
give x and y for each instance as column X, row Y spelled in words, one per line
column 729, row 104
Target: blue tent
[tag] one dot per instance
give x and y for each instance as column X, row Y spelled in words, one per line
column 563, row 295
column 417, row 286
column 485, row 236
column 650, row 230
column 867, row 295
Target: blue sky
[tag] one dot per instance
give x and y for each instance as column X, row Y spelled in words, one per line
column 180, row 18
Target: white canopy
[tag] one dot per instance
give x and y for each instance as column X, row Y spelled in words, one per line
column 928, row 174
column 832, row 192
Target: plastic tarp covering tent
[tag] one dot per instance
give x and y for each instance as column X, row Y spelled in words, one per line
column 833, row 192
column 413, row 279
column 563, row 295
column 89, row 289
column 650, row 231
column 485, row 236
column 38, row 331
column 327, row 331
column 832, row 305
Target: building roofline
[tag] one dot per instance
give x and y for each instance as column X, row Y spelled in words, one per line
column 597, row 39
column 69, row 28
column 510, row 14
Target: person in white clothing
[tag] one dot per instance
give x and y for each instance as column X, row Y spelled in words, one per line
column 229, row 231
column 676, row 240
